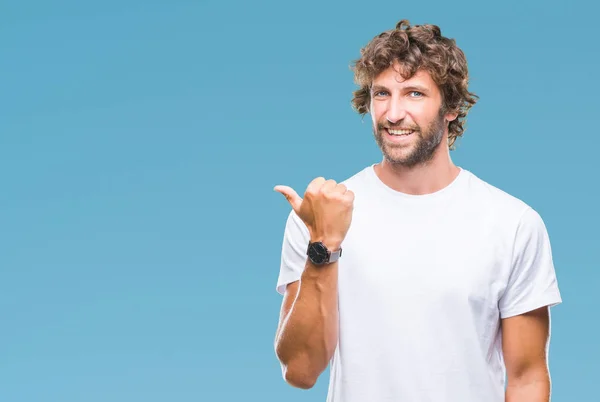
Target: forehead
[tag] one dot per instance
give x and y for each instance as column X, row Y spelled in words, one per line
column 392, row 78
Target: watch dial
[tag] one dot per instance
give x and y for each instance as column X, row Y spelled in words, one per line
column 317, row 253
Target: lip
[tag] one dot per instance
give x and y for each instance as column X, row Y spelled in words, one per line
column 398, row 138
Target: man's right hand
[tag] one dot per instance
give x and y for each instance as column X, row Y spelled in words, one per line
column 326, row 210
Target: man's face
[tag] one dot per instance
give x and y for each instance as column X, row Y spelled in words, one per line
column 408, row 123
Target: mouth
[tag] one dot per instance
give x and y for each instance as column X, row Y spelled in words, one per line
column 399, row 132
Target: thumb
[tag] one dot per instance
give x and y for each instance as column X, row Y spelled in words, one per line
column 290, row 195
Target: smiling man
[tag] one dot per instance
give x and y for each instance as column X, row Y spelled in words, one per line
column 415, row 279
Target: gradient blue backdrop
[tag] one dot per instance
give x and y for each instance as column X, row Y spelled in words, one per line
column 140, row 142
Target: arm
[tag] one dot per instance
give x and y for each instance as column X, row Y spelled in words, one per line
column 525, row 343
column 308, row 326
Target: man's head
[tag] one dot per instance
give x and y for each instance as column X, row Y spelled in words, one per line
column 414, row 83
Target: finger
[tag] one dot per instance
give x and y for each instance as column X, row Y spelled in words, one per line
column 349, row 195
column 290, row 195
column 341, row 188
column 328, row 186
column 315, row 185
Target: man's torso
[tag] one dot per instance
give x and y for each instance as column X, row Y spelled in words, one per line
column 419, row 284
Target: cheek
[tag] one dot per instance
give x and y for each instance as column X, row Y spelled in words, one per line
column 424, row 115
column 377, row 111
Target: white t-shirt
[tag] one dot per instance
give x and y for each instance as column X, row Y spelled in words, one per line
column 423, row 283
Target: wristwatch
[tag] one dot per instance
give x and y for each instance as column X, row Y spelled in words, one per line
column 319, row 254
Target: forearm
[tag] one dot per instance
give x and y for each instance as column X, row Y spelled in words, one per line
column 531, row 386
column 309, row 332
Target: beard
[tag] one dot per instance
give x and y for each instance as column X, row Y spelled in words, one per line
column 422, row 148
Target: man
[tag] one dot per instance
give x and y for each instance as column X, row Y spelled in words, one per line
column 414, row 278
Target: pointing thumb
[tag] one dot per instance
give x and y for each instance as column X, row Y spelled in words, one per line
column 290, row 195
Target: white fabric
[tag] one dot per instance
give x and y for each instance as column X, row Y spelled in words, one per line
column 423, row 283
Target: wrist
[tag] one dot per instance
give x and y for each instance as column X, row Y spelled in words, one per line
column 331, row 243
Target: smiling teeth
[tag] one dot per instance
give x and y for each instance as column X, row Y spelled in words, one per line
column 400, row 132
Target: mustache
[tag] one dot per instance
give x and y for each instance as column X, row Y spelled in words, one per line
column 381, row 126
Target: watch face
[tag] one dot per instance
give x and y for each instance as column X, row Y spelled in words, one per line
column 317, row 252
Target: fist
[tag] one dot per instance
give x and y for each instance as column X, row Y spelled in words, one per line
column 326, row 210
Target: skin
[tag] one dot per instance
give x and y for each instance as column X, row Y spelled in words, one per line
column 413, row 103
column 307, row 333
column 308, row 328
column 525, row 347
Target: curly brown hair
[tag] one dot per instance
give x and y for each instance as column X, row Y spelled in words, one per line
column 417, row 47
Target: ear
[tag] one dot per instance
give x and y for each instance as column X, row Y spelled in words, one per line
column 449, row 113
column 451, row 116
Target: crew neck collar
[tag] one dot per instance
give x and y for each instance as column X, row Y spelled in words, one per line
column 434, row 195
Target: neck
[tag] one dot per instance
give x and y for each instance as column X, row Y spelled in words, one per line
column 421, row 179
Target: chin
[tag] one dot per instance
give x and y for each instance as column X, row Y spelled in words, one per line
column 399, row 155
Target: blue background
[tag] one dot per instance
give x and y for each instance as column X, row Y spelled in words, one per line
column 140, row 142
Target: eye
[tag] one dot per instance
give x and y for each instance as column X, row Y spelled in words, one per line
column 416, row 94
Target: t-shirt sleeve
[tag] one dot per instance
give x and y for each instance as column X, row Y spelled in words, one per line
column 293, row 251
column 532, row 283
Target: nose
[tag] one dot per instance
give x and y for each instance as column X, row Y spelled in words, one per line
column 396, row 111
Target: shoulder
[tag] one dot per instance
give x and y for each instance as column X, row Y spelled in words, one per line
column 503, row 214
column 503, row 211
column 491, row 198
